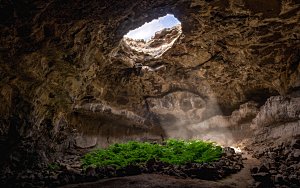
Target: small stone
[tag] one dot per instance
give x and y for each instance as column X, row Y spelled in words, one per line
column 254, row 170
column 285, row 178
column 279, row 179
column 228, row 151
column 273, row 172
column 39, row 175
column 294, row 179
column 132, row 170
column 90, row 171
column 286, row 152
column 283, row 168
column 296, row 154
column 296, row 144
column 258, row 185
column 76, row 166
column 272, row 155
column 263, row 168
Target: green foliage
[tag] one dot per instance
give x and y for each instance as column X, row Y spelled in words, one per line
column 53, row 166
column 138, row 153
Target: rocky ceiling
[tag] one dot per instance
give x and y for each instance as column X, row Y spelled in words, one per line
column 58, row 72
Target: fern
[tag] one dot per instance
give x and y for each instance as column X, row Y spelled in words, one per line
column 138, row 153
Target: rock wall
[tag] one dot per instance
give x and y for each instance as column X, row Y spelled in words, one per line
column 279, row 119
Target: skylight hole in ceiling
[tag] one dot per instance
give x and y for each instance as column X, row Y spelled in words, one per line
column 149, row 29
column 154, row 38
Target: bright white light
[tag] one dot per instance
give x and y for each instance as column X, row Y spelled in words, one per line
column 237, row 149
column 148, row 30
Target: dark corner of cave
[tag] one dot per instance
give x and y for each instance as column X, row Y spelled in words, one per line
column 158, row 93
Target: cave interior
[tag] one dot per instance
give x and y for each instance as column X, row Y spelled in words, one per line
column 73, row 79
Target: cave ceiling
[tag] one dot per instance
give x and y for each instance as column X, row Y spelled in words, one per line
column 60, row 56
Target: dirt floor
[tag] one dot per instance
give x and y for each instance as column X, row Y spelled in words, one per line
column 240, row 180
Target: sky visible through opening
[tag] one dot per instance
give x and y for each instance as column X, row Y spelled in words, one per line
column 148, row 30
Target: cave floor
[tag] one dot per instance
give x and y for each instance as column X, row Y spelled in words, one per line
column 240, row 179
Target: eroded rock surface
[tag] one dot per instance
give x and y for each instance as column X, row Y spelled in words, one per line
column 140, row 50
column 279, row 118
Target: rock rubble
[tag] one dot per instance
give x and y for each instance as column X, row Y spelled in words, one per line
column 69, row 171
column 280, row 165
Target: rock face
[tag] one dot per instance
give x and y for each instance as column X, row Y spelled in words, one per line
column 276, row 142
column 279, row 118
column 67, row 82
column 140, row 50
column 278, row 109
column 178, row 106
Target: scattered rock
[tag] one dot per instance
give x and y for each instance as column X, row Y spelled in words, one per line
column 279, row 179
column 254, row 170
column 263, row 168
column 90, row 171
column 280, row 165
column 296, row 154
column 228, row 152
column 296, row 144
column 262, row 176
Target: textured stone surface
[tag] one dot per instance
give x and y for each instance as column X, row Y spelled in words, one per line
column 280, row 164
column 278, row 109
column 140, row 50
column 278, row 118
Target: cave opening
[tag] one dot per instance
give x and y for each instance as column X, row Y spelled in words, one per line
column 154, row 38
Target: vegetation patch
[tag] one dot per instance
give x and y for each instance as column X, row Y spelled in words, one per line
column 175, row 152
column 53, row 166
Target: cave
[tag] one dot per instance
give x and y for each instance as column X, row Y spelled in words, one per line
column 74, row 78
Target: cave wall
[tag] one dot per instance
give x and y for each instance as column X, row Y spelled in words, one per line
column 60, row 80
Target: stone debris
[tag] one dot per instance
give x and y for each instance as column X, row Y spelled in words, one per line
column 280, row 165
column 69, row 171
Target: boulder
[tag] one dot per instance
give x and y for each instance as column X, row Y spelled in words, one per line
column 262, row 177
column 86, row 141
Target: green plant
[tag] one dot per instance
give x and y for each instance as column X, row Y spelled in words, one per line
column 53, row 166
column 138, row 153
